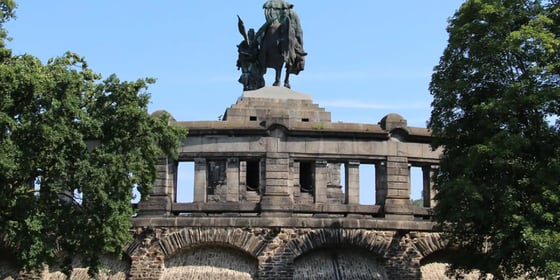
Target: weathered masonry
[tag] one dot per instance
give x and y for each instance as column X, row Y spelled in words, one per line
column 276, row 196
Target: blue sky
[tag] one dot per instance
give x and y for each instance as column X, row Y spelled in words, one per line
column 366, row 58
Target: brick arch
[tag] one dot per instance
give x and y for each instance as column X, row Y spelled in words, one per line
column 187, row 238
column 427, row 243
column 374, row 241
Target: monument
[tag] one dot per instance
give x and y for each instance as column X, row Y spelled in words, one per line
column 278, row 43
column 277, row 185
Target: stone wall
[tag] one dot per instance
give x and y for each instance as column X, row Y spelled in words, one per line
column 111, row 269
column 270, row 253
column 280, row 253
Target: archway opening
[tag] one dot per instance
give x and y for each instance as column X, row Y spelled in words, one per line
column 340, row 262
column 210, row 262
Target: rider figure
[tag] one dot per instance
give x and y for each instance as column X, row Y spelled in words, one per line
column 281, row 11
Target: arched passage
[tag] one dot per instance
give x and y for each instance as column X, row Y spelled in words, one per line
column 339, row 263
column 210, row 261
column 340, row 254
column 218, row 253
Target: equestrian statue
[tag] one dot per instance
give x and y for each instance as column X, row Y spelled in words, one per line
column 278, row 43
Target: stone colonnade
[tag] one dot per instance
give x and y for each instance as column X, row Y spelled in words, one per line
column 277, row 173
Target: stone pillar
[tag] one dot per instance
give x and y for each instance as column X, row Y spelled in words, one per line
column 294, row 182
column 242, row 173
column 262, row 176
column 232, row 175
column 320, row 182
column 166, row 177
column 352, row 182
column 276, row 200
column 147, row 262
column 380, row 183
column 397, row 203
column 402, row 257
column 242, row 180
column 164, row 193
column 173, row 168
column 200, row 177
column 428, row 191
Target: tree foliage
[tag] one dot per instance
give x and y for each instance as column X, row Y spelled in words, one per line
column 496, row 103
column 72, row 149
column 7, row 8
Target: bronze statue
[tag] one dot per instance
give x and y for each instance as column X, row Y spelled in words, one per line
column 248, row 59
column 278, row 42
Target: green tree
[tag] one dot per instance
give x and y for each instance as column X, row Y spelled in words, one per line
column 7, row 8
column 496, row 102
column 72, row 149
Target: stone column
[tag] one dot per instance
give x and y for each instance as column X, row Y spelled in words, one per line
column 294, row 179
column 352, row 182
column 200, row 177
column 321, row 179
column 428, row 192
column 163, row 195
column 276, row 200
column 242, row 180
column 397, row 202
column 380, row 183
column 262, row 176
column 242, row 173
column 232, row 175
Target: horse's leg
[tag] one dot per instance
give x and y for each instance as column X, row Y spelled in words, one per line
column 278, row 73
column 287, row 79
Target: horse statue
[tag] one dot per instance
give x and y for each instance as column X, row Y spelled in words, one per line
column 280, row 43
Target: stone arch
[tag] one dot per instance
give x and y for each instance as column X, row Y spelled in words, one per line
column 373, row 241
column 436, row 255
column 343, row 262
column 341, row 254
column 187, row 238
column 210, row 261
column 132, row 248
column 427, row 243
column 437, row 264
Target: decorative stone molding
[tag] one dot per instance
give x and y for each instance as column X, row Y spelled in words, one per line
column 234, row 237
column 376, row 242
